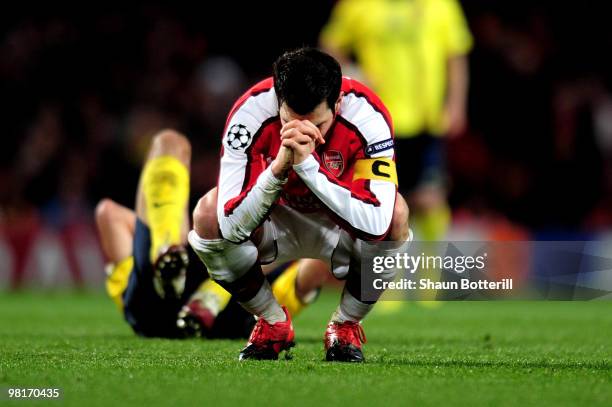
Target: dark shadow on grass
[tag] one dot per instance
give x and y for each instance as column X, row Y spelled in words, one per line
column 310, row 340
column 397, row 341
column 392, row 360
column 536, row 364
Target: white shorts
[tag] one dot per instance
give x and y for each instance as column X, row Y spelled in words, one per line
column 292, row 235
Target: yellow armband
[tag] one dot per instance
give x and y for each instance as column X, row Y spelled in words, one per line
column 381, row 169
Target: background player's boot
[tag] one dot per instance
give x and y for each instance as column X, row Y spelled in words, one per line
column 267, row 340
column 170, row 271
column 198, row 316
column 343, row 342
column 195, row 320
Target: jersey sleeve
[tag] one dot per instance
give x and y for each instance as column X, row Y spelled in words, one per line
column 246, row 189
column 365, row 204
column 459, row 40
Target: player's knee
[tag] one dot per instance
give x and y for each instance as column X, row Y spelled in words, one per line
column 105, row 211
column 171, row 142
column 205, row 220
column 400, row 230
column 311, row 276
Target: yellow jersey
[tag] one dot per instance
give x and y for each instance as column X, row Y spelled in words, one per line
column 403, row 47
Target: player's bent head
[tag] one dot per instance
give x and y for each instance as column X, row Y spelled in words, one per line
column 305, row 77
column 307, row 83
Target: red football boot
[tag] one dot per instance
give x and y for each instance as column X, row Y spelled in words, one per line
column 343, row 342
column 267, row 340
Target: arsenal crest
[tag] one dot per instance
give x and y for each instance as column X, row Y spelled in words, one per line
column 333, row 162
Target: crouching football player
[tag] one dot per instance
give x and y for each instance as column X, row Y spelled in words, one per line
column 307, row 171
column 153, row 276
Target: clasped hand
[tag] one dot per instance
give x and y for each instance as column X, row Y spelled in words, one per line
column 299, row 138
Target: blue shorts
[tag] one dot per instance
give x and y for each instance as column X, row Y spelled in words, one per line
column 420, row 161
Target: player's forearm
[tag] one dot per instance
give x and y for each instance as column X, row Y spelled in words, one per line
column 458, row 82
column 371, row 218
column 237, row 223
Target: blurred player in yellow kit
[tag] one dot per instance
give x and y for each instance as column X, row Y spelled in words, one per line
column 413, row 53
column 153, row 276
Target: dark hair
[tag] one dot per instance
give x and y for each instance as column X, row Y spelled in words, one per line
column 305, row 77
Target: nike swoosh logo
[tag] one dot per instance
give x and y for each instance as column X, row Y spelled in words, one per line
column 160, row 204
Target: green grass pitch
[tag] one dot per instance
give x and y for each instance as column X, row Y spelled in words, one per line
column 467, row 353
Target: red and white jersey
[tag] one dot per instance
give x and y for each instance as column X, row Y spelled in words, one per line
column 330, row 181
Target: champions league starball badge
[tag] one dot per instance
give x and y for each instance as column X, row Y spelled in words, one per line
column 238, row 137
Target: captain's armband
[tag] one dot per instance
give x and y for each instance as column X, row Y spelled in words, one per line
column 381, row 169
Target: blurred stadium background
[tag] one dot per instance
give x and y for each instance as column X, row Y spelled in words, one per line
column 84, row 87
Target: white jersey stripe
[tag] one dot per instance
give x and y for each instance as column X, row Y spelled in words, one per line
column 370, row 123
column 251, row 116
